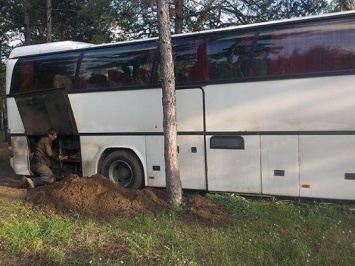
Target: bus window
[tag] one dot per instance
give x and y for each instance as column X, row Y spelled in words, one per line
column 181, row 58
column 259, row 65
column 191, row 60
column 117, row 66
column 230, row 56
column 310, row 48
column 44, row 72
column 143, row 67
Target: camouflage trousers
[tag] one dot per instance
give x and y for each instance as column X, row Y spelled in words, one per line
column 43, row 174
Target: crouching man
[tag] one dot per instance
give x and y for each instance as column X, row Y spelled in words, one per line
column 42, row 162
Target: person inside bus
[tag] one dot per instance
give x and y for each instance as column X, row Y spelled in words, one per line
column 43, row 161
column 62, row 81
column 97, row 81
column 143, row 67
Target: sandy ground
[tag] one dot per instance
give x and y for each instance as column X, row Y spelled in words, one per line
column 97, row 197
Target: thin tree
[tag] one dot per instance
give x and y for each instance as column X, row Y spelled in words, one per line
column 49, row 20
column 26, row 21
column 172, row 171
column 347, row 4
column 179, row 20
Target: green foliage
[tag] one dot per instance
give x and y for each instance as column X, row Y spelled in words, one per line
column 235, row 204
column 76, row 20
column 107, row 21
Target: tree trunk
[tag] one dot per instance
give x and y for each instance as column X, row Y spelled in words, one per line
column 179, row 15
column 346, row 4
column 49, row 20
column 172, row 171
column 27, row 23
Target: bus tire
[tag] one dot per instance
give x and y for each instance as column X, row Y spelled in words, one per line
column 123, row 167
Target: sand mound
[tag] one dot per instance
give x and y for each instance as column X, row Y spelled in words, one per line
column 98, row 197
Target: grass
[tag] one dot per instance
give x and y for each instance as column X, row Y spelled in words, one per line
column 263, row 232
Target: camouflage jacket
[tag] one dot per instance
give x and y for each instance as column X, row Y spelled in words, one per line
column 43, row 151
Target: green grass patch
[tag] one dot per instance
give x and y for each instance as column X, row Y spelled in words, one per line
column 262, row 232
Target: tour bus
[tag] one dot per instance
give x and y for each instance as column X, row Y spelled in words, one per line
column 263, row 109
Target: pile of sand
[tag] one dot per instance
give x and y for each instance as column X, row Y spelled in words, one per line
column 98, row 197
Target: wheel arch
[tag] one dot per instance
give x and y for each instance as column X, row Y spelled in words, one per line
column 108, row 150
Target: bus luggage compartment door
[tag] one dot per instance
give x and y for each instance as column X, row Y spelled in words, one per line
column 191, row 143
column 46, row 109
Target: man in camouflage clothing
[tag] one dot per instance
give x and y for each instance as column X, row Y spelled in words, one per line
column 43, row 160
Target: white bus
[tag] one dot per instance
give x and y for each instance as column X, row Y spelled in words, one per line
column 265, row 109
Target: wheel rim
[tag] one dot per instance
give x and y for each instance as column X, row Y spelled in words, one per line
column 120, row 172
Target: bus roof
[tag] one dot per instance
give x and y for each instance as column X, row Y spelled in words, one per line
column 45, row 48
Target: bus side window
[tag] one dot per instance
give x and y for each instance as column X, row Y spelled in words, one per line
column 181, row 71
column 116, row 78
column 309, row 48
column 230, row 56
column 259, row 65
column 143, row 67
column 200, row 70
column 119, row 77
column 25, row 79
column 97, row 81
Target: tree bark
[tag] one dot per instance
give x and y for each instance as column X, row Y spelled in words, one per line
column 49, row 20
column 172, row 171
column 346, row 4
column 179, row 4
column 27, row 32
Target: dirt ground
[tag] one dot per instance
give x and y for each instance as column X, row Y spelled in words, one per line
column 97, row 197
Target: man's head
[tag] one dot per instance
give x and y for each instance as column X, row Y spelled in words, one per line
column 52, row 133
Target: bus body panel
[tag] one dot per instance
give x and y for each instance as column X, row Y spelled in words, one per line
column 14, row 120
column 45, row 48
column 306, row 104
column 143, row 107
column 9, row 70
column 92, row 147
column 235, row 170
column 155, row 161
column 118, row 112
column 20, row 160
column 137, row 111
column 325, row 163
column 191, row 161
column 189, row 110
column 279, row 163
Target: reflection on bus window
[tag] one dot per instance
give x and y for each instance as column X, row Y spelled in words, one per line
column 116, row 67
column 44, row 72
column 309, row 48
column 230, row 56
column 212, row 59
column 191, row 60
column 312, row 48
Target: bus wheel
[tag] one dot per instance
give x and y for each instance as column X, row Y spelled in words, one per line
column 123, row 167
